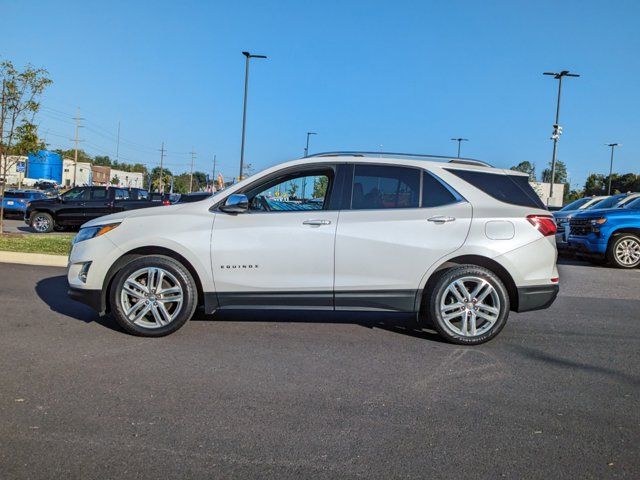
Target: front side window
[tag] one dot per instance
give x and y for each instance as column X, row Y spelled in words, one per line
column 76, row 194
column 99, row 194
column 382, row 187
column 292, row 193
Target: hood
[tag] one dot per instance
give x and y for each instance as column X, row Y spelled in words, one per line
column 44, row 201
column 564, row 214
column 141, row 212
column 608, row 212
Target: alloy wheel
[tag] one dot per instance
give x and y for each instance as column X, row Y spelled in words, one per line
column 470, row 306
column 41, row 223
column 628, row 251
column 151, row 297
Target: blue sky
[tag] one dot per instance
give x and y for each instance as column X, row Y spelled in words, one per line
column 405, row 75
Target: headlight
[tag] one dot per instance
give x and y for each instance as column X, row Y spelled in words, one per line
column 598, row 221
column 91, row 232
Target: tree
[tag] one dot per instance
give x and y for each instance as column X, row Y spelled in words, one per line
column 320, row 186
column 27, row 140
column 528, row 168
column 82, row 155
column 115, row 180
column 19, row 101
column 293, row 188
column 101, row 160
column 561, row 173
column 155, row 179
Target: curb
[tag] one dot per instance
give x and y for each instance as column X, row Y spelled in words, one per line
column 40, row 259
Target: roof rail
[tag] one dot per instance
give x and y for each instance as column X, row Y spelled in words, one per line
column 467, row 161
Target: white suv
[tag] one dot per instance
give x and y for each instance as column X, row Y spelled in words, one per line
column 455, row 241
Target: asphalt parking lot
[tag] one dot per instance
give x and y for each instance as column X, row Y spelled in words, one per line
column 317, row 395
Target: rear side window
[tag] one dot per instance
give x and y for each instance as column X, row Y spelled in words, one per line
column 513, row 189
column 122, row 194
column 142, row 195
column 15, row 195
column 382, row 187
column 434, row 193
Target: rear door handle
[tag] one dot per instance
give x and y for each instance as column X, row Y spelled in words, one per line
column 441, row 219
column 316, row 223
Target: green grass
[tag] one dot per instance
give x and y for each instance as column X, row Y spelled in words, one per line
column 36, row 243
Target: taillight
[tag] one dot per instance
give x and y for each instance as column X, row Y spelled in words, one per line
column 166, row 202
column 544, row 224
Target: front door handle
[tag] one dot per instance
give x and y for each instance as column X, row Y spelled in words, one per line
column 441, row 219
column 316, row 223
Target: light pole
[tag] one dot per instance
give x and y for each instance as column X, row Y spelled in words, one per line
column 557, row 129
column 248, row 57
column 460, row 140
column 613, row 146
column 306, row 150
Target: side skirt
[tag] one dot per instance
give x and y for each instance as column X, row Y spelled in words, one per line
column 361, row 300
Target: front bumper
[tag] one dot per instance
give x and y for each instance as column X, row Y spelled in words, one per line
column 589, row 245
column 536, row 297
column 93, row 298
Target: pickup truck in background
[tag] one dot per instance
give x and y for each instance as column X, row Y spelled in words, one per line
column 81, row 204
column 612, row 234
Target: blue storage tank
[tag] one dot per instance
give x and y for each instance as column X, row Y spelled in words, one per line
column 45, row 164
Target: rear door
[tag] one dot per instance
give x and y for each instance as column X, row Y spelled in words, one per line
column 397, row 223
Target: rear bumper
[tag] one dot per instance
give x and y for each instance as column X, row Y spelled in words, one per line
column 92, row 298
column 536, row 297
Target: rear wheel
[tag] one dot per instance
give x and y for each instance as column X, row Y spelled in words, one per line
column 624, row 251
column 153, row 296
column 468, row 305
column 42, row 222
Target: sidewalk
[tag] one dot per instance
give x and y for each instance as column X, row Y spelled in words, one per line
column 34, row 259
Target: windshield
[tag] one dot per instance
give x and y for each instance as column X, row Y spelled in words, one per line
column 607, row 202
column 634, row 204
column 575, row 205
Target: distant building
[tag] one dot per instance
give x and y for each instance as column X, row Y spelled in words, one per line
column 13, row 176
column 543, row 190
column 83, row 173
column 101, row 175
column 121, row 178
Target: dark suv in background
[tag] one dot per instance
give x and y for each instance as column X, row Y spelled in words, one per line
column 81, row 204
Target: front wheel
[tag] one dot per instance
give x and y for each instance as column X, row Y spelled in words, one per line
column 624, row 251
column 153, row 296
column 468, row 305
column 42, row 222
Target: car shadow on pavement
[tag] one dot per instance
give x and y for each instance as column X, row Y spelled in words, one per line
column 400, row 323
column 53, row 292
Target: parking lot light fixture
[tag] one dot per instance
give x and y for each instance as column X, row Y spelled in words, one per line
column 557, row 129
column 459, row 140
column 248, row 56
column 612, row 146
column 306, row 149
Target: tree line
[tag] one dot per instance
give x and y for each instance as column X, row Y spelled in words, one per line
column 596, row 183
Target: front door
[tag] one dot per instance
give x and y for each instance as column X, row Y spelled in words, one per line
column 399, row 222
column 73, row 206
column 279, row 254
column 98, row 204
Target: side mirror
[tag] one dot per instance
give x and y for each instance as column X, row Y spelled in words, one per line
column 236, row 203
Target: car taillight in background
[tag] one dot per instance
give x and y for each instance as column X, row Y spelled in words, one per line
column 166, row 202
column 544, row 224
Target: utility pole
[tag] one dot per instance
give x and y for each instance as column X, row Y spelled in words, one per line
column 118, row 143
column 248, row 57
column 160, row 185
column 77, row 118
column 460, row 140
column 612, row 145
column 193, row 154
column 557, row 129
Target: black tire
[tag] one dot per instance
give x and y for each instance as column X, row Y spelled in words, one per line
column 180, row 274
column 41, row 222
column 616, row 249
column 440, row 289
